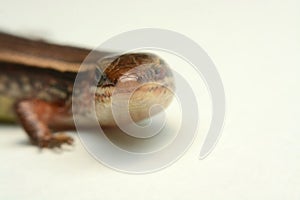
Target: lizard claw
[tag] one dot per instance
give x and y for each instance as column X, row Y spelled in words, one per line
column 56, row 140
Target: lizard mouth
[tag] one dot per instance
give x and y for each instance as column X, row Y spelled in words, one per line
column 146, row 78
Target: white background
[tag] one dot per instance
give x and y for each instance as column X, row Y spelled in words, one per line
column 255, row 46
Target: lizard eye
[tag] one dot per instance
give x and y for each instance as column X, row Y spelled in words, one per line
column 99, row 76
column 102, row 80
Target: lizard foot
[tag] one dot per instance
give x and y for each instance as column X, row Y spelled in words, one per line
column 55, row 140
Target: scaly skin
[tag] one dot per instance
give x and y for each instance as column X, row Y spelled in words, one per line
column 36, row 86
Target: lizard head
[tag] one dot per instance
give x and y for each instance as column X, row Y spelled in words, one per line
column 143, row 77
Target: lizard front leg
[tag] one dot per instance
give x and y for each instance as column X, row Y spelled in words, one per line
column 36, row 117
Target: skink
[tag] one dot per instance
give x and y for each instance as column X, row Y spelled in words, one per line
column 37, row 79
